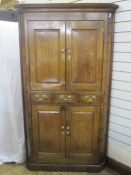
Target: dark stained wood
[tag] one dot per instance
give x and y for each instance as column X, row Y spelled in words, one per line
column 48, row 124
column 84, row 55
column 106, row 86
column 66, row 97
column 97, row 7
column 66, row 55
column 47, row 55
column 65, row 168
column 82, row 131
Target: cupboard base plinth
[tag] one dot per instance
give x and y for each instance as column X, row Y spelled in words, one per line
column 71, row 168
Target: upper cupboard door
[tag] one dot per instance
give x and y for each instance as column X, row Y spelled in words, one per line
column 84, row 54
column 47, row 55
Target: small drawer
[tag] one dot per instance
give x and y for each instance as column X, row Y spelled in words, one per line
column 87, row 98
column 41, row 98
column 65, row 98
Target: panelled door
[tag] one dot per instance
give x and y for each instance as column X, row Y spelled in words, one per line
column 47, row 55
column 65, row 56
column 83, row 51
column 82, row 132
column 60, row 134
column 48, row 124
column 84, row 44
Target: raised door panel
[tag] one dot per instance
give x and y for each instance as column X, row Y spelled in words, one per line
column 84, row 54
column 48, row 137
column 82, row 141
column 47, row 56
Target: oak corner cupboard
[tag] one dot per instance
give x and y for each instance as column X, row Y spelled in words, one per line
column 66, row 56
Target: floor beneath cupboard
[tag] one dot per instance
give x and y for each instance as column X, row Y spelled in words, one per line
column 13, row 169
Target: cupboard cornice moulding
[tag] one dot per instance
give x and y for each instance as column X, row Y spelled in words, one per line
column 77, row 7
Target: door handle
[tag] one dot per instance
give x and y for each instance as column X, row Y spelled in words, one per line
column 62, row 50
column 68, row 133
column 68, row 54
column 68, row 128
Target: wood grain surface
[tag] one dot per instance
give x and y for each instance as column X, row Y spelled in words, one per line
column 66, row 66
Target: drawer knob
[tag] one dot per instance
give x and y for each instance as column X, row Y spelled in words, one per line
column 69, row 96
column 89, row 98
column 40, row 99
column 62, row 50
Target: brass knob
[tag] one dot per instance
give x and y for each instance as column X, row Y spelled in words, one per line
column 69, row 96
column 68, row 133
column 62, row 127
column 90, row 100
column 40, row 99
column 69, row 54
column 68, row 128
column 63, row 130
column 62, row 50
column 94, row 96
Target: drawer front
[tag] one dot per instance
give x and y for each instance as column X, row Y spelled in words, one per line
column 87, row 98
column 41, row 98
column 65, row 98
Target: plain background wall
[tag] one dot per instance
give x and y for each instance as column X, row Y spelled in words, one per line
column 119, row 137
column 12, row 141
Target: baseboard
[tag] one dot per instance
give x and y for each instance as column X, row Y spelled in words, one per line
column 118, row 167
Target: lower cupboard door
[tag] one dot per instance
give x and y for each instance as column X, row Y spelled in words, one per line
column 48, row 138
column 82, row 132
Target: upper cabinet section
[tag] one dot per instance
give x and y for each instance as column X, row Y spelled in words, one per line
column 66, row 55
column 67, row 48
